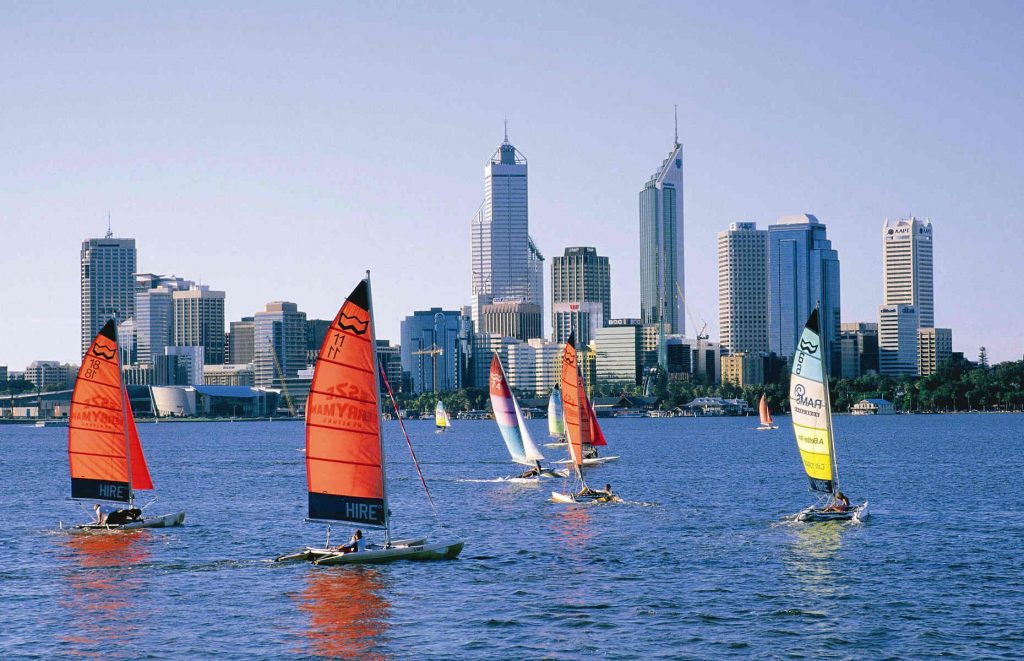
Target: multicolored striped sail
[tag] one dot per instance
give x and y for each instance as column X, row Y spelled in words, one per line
column 575, row 406
column 104, row 451
column 556, row 420
column 510, row 418
column 344, row 450
column 811, row 412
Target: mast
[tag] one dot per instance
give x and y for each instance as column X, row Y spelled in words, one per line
column 124, row 415
column 380, row 417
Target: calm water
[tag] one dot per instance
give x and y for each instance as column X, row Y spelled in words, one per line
column 698, row 567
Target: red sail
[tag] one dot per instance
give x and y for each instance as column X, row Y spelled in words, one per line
column 596, row 433
column 98, row 438
column 766, row 417
column 574, row 405
column 344, row 458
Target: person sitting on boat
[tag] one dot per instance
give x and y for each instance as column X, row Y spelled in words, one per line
column 589, row 451
column 355, row 544
column 102, row 512
column 840, row 503
column 120, row 517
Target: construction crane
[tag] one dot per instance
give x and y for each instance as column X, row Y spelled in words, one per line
column 433, row 351
column 280, row 375
column 703, row 334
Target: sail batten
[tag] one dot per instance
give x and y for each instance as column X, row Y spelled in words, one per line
column 344, row 455
column 811, row 413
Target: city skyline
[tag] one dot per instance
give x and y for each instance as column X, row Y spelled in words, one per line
column 255, row 186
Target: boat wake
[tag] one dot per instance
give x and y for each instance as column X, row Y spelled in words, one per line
column 503, row 480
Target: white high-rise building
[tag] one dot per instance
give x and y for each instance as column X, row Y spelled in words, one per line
column 897, row 339
column 108, row 283
column 907, row 267
column 199, row 321
column 743, row 288
column 506, row 265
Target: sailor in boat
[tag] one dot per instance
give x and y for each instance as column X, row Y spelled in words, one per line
column 605, row 495
column 107, row 515
column 355, row 544
column 840, row 503
column 589, row 451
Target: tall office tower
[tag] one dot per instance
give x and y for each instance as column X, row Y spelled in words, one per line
column 435, row 339
column 743, row 288
column 581, row 298
column 279, row 338
column 242, row 341
column 316, row 331
column 859, row 342
column 108, row 285
column 154, row 316
column 523, row 321
column 662, row 283
column 506, row 265
column 907, row 266
column 897, row 339
column 390, row 358
column 803, row 270
column 619, row 347
column 935, row 346
column 199, row 321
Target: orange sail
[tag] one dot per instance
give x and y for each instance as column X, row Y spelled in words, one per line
column 344, row 454
column 574, row 404
column 103, row 445
column 766, row 417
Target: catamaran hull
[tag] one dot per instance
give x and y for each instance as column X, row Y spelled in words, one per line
column 311, row 554
column 767, row 427
column 163, row 521
column 855, row 515
column 593, row 461
column 558, row 497
column 436, row 551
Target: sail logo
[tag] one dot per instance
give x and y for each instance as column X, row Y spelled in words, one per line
column 807, row 346
column 799, row 396
column 104, row 350
column 112, row 492
column 355, row 324
column 496, row 382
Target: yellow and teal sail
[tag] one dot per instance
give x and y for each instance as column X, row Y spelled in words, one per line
column 811, row 409
column 556, row 419
column 441, row 418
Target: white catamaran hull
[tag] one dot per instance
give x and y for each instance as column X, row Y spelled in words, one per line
column 163, row 521
column 593, row 461
column 311, row 554
column 767, row 427
column 813, row 515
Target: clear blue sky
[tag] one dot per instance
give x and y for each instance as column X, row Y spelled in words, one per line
column 275, row 151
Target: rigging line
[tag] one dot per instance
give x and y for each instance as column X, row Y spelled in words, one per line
column 415, row 462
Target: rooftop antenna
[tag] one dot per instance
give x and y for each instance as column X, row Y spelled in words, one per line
column 506, row 129
column 676, row 115
column 109, row 232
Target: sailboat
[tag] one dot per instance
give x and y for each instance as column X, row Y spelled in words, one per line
column 812, row 425
column 512, row 426
column 597, row 439
column 441, row 419
column 766, row 416
column 345, row 466
column 556, row 419
column 578, row 431
column 104, row 452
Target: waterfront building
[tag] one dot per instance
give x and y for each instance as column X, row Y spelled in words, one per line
column 859, row 347
column 279, row 343
column 50, row 374
column 506, row 263
column 107, row 283
column 139, row 375
column 743, row 288
column 693, row 359
column 580, row 281
column 239, row 347
column 316, row 331
column 743, row 369
column 618, row 348
column 514, row 318
column 907, row 266
column 3, row 373
column 154, row 315
column 897, row 340
column 484, row 346
column 934, row 347
column 183, row 365
column 447, row 334
column 390, row 358
column 199, row 321
column 803, row 270
column 662, row 283
column 534, row 366
column 229, row 375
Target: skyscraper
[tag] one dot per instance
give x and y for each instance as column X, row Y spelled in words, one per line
column 242, row 341
column 897, row 339
column 803, row 270
column 279, row 338
column 580, row 294
column 445, row 332
column 907, row 266
column 506, row 264
column 199, row 321
column 662, row 281
column 743, row 288
column 154, row 316
column 108, row 284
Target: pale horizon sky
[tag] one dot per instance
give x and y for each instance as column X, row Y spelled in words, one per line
column 276, row 151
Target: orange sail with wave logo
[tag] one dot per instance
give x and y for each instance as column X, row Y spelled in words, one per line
column 344, row 455
column 574, row 405
column 104, row 451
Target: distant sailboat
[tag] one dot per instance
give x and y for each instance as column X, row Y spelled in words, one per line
column 344, row 443
column 578, row 431
column 811, row 412
column 104, row 451
column 556, row 418
column 512, row 426
column 767, row 423
column 441, row 419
